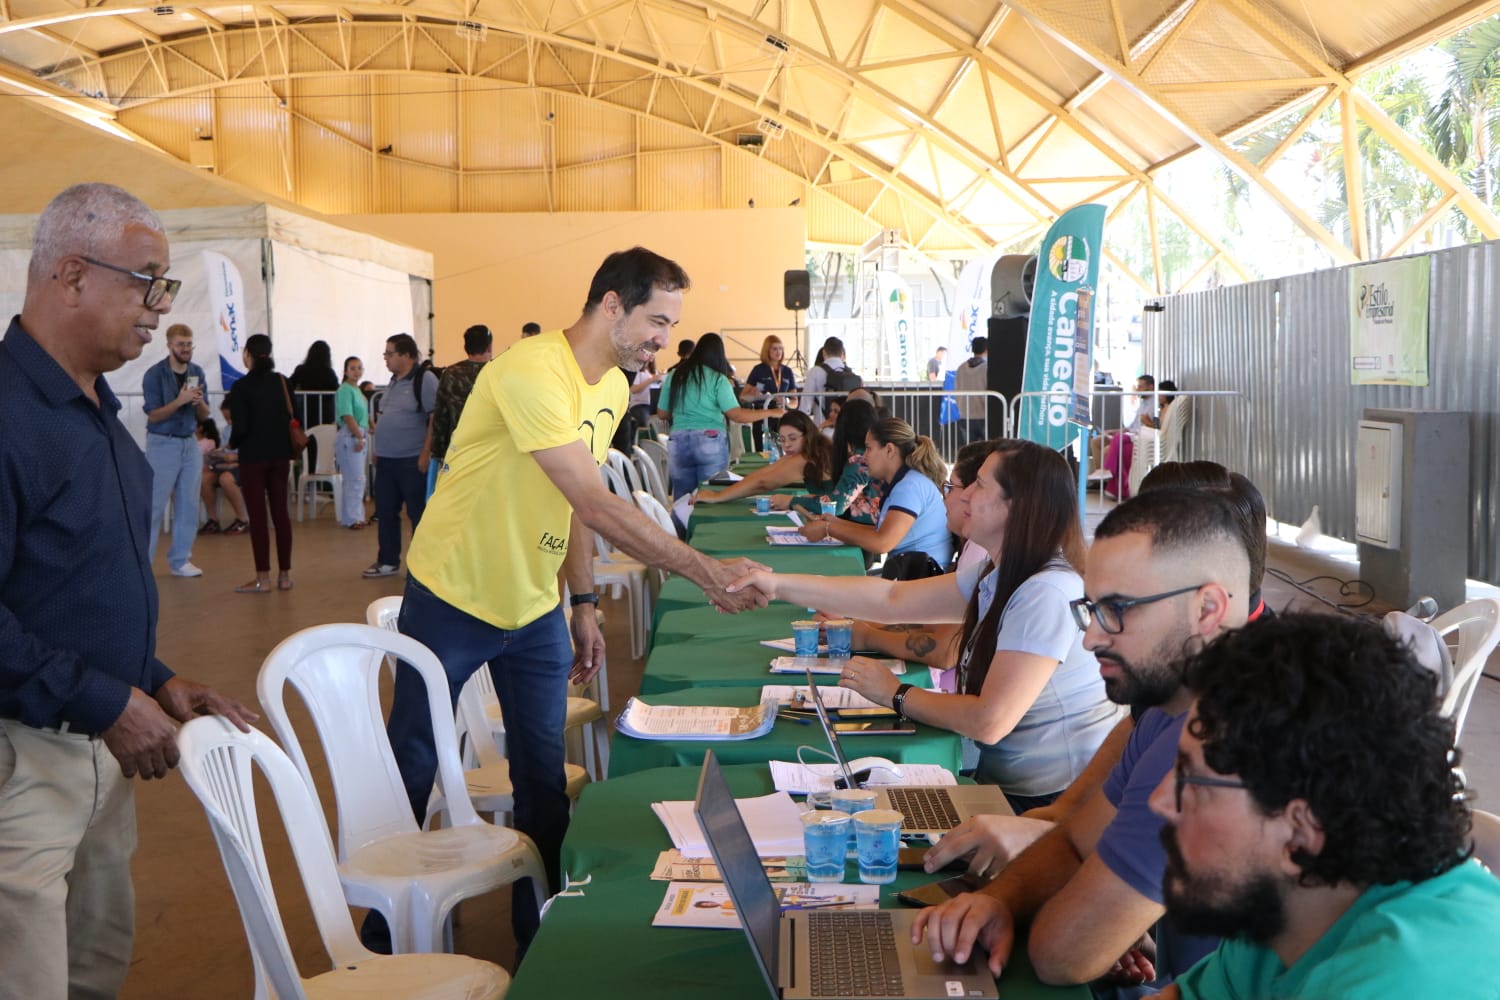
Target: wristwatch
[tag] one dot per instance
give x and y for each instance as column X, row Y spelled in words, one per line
column 898, row 701
column 589, row 598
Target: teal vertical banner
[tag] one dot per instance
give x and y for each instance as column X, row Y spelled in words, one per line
column 1069, row 263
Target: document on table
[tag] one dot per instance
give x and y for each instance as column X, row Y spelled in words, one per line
column 673, row 866
column 806, row 779
column 695, row 722
column 725, row 478
column 778, row 535
column 683, row 508
column 832, row 696
column 819, row 665
column 774, row 822
column 696, row 904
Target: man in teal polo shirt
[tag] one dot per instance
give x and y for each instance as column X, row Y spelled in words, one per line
column 1317, row 820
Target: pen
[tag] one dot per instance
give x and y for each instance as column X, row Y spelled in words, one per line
column 794, row 718
column 827, row 904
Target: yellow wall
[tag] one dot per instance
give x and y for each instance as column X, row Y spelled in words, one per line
column 507, row 269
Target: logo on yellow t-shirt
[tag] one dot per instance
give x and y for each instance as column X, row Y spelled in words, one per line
column 551, row 543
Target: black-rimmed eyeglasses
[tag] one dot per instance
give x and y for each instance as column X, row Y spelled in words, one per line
column 1110, row 613
column 157, row 287
column 1183, row 778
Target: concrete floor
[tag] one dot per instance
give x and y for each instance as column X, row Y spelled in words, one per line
column 189, row 941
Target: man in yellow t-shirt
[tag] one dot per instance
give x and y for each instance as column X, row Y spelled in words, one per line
column 518, row 499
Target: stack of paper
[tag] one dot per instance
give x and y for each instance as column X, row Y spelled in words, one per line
column 695, row 722
column 802, row 664
column 709, row 906
column 788, row 536
column 831, row 696
column 774, row 822
column 673, row 866
column 805, row 779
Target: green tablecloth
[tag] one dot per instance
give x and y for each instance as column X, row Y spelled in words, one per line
column 628, row 755
column 601, row 943
column 746, row 536
column 736, row 659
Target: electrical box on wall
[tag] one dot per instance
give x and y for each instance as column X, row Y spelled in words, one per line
column 1377, row 484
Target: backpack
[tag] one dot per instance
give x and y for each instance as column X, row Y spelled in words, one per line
column 842, row 380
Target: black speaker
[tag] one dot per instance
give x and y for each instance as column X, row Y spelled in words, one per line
column 1007, row 354
column 797, row 289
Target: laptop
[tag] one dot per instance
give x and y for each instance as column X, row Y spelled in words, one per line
column 858, row 954
column 928, row 809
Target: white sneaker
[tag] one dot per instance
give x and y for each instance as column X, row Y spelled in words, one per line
column 186, row 569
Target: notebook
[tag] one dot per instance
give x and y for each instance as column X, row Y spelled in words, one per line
column 818, row 953
column 927, row 809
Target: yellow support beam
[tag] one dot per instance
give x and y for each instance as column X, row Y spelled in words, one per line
column 1354, row 177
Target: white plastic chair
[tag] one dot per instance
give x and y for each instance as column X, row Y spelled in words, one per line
column 659, row 457
column 656, row 485
column 656, row 510
column 619, row 572
column 217, row 762
column 485, row 791
column 621, row 463
column 325, row 473
column 1472, row 630
column 487, row 771
column 413, row 877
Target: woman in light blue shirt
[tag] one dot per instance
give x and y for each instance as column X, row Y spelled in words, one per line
column 698, row 397
column 912, row 517
column 1029, row 694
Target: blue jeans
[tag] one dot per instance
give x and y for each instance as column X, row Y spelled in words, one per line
column 530, row 667
column 351, row 466
column 694, row 456
column 176, row 472
column 397, row 482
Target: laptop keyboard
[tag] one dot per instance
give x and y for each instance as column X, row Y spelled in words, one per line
column 924, row 808
column 853, row 955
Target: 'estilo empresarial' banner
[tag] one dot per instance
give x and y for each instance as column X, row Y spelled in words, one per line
column 1388, row 309
column 1069, row 263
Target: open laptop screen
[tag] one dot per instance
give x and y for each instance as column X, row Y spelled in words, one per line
column 734, row 852
column 828, row 731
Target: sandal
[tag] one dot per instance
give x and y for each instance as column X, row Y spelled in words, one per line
column 254, row 587
column 284, row 583
column 237, row 527
column 356, row 526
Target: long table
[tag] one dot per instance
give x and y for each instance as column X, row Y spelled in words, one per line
column 629, row 755
column 600, row 942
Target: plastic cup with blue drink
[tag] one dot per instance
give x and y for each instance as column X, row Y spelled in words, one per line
column 852, row 801
column 877, row 832
column 805, row 635
column 840, row 638
column 762, row 505
column 829, row 507
column 825, row 841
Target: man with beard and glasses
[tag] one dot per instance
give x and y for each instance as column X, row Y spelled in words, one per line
column 520, row 499
column 990, row 841
column 1167, row 572
column 1316, row 820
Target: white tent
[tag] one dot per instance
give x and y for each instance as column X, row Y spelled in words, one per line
column 249, row 269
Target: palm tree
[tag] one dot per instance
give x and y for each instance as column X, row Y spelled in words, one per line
column 1463, row 120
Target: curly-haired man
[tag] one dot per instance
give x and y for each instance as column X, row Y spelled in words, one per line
column 1316, row 821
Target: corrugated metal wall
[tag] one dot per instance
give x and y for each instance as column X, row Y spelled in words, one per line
column 1284, row 345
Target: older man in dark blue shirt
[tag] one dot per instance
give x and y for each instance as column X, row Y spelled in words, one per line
column 84, row 702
